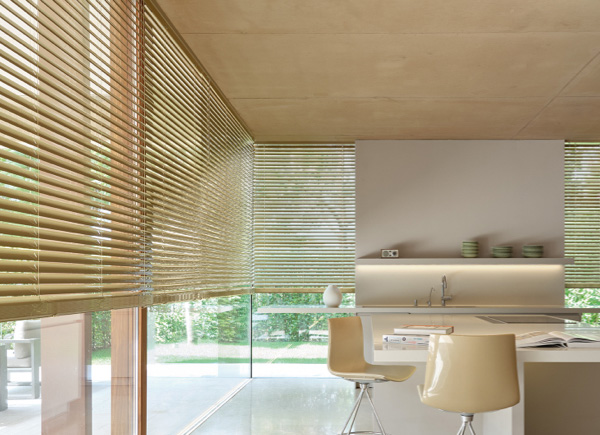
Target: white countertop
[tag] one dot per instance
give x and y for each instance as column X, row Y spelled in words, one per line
column 385, row 323
column 509, row 421
column 450, row 309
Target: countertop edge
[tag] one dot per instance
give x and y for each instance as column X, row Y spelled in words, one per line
column 429, row 310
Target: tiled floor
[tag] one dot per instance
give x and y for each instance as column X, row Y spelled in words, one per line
column 287, row 406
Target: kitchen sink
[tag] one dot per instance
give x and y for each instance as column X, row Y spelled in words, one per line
column 524, row 318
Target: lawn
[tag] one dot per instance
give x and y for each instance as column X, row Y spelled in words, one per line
column 205, row 353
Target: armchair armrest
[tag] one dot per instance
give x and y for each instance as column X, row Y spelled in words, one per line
column 18, row 340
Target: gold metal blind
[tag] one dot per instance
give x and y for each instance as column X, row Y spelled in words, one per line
column 582, row 214
column 199, row 176
column 71, row 166
column 125, row 180
column 304, row 217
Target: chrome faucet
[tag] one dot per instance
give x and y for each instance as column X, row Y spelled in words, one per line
column 444, row 288
column 429, row 300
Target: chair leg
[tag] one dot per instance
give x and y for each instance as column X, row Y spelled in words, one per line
column 374, row 410
column 347, row 429
column 352, row 417
column 467, row 420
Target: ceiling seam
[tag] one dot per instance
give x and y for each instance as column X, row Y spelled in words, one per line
column 392, row 98
column 536, row 116
column 387, row 33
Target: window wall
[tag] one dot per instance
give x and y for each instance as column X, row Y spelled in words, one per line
column 125, row 183
column 126, row 216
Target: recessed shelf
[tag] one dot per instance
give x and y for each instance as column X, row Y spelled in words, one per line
column 462, row 261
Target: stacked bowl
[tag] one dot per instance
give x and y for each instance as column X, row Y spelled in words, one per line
column 533, row 251
column 470, row 249
column 502, row 251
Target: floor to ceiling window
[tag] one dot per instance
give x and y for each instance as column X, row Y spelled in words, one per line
column 303, row 241
column 125, row 202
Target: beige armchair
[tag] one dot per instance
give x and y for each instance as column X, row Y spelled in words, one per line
column 25, row 355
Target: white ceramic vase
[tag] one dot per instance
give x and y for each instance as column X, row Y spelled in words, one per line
column 332, row 296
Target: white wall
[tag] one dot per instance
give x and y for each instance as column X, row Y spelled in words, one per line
column 425, row 197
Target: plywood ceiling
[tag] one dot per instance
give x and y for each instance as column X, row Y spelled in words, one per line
column 342, row 70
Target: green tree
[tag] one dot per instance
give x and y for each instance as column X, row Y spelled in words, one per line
column 582, row 298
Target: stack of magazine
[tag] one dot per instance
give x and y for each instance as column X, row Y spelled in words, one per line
column 581, row 338
column 416, row 334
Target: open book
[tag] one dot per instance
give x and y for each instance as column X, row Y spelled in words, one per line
column 558, row 339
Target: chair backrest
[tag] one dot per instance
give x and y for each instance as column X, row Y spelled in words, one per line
column 26, row 329
column 346, row 351
column 471, row 373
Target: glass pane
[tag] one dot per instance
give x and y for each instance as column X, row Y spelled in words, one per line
column 72, row 356
column 100, row 372
column 291, row 345
column 198, row 352
column 20, row 402
column 44, row 384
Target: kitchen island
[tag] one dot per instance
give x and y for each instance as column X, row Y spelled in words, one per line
column 402, row 412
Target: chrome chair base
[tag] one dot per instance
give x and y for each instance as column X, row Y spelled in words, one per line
column 364, row 391
column 467, row 419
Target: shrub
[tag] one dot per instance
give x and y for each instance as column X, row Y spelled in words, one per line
column 584, row 297
column 101, row 330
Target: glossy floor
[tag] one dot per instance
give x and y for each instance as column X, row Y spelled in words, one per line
column 288, row 406
column 173, row 402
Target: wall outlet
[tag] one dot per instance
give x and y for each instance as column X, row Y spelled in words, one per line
column 389, row 253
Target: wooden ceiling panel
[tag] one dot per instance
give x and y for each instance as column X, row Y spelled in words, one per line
column 338, row 120
column 449, row 65
column 382, row 16
column 341, row 70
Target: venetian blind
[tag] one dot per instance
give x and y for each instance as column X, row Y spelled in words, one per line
column 304, row 217
column 582, row 214
column 198, row 176
column 125, row 180
column 71, row 166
